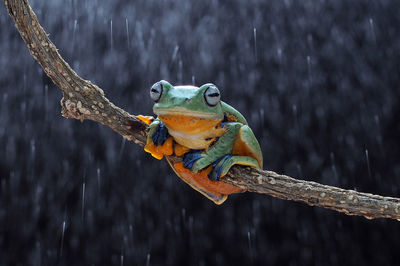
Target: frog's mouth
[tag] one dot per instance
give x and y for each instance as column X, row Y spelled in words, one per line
column 186, row 113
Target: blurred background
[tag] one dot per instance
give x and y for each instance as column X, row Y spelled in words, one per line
column 318, row 82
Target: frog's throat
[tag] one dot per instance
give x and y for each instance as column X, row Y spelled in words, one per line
column 192, row 141
column 185, row 112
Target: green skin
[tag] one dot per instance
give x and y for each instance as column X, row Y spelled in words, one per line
column 189, row 100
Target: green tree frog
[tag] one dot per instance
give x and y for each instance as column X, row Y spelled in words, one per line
column 210, row 135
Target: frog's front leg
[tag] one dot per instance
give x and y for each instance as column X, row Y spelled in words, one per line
column 221, row 148
column 159, row 142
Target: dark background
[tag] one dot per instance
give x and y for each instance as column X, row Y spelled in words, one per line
column 318, row 82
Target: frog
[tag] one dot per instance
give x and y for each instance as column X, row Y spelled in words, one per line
column 211, row 136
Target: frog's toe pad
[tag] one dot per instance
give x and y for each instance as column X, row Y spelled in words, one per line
column 218, row 165
column 146, row 119
column 161, row 135
column 191, row 157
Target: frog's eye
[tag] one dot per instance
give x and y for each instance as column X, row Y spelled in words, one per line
column 212, row 95
column 156, row 91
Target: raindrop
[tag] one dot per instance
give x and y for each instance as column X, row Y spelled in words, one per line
column 296, row 122
column 376, row 118
column 131, row 230
column 279, row 53
column 33, row 147
column 73, row 34
column 38, row 253
column 191, row 221
column 184, row 216
column 24, row 86
column 111, row 34
column 23, row 109
column 46, row 97
column 333, row 166
column 299, row 170
column 148, row 259
column 368, row 164
column 122, row 260
column 262, row 118
column 193, row 80
column 379, row 135
column 175, row 52
column 180, row 72
column 309, row 67
column 98, row 179
column 250, row 247
column 121, row 150
column 372, row 29
column 5, row 97
column 127, row 32
column 83, row 199
column 62, row 239
column 255, row 42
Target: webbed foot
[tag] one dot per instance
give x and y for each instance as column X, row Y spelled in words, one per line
column 223, row 164
column 216, row 172
column 191, row 157
column 159, row 142
column 160, row 135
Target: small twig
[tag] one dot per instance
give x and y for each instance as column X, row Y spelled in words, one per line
column 83, row 100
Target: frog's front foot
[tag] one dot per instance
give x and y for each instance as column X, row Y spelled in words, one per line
column 160, row 135
column 190, row 158
column 159, row 142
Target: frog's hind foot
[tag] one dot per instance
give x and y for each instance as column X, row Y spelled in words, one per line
column 216, row 171
column 223, row 164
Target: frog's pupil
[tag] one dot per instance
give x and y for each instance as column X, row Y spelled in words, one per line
column 213, row 94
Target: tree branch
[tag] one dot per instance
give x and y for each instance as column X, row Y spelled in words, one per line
column 83, row 100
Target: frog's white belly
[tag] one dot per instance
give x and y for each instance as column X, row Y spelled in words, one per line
column 193, row 141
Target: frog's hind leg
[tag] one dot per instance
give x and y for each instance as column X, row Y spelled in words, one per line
column 246, row 151
column 222, row 166
column 246, row 144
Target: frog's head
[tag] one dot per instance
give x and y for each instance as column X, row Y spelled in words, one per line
column 185, row 108
column 203, row 102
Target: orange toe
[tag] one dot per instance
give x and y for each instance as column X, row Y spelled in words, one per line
column 153, row 150
column 158, row 152
column 146, row 119
column 167, row 147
